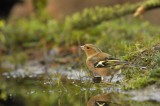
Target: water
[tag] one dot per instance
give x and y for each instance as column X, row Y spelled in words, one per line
column 35, row 84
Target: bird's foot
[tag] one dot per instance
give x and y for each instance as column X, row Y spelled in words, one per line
column 97, row 79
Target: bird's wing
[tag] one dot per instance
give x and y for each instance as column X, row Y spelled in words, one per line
column 109, row 62
column 97, row 60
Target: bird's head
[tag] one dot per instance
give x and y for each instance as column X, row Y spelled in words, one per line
column 90, row 49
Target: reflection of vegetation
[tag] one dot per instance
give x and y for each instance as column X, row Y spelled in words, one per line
column 134, row 38
column 35, row 92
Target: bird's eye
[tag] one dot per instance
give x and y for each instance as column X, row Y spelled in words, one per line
column 87, row 47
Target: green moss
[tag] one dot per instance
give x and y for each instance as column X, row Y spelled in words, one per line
column 137, row 82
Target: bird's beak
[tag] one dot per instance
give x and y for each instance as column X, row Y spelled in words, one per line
column 82, row 47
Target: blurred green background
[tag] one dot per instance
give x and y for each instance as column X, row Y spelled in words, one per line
column 39, row 44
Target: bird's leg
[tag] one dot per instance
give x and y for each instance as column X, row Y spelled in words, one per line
column 97, row 79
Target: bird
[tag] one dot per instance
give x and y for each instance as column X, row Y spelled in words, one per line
column 101, row 63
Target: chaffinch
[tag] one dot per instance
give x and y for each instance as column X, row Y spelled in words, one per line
column 100, row 63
